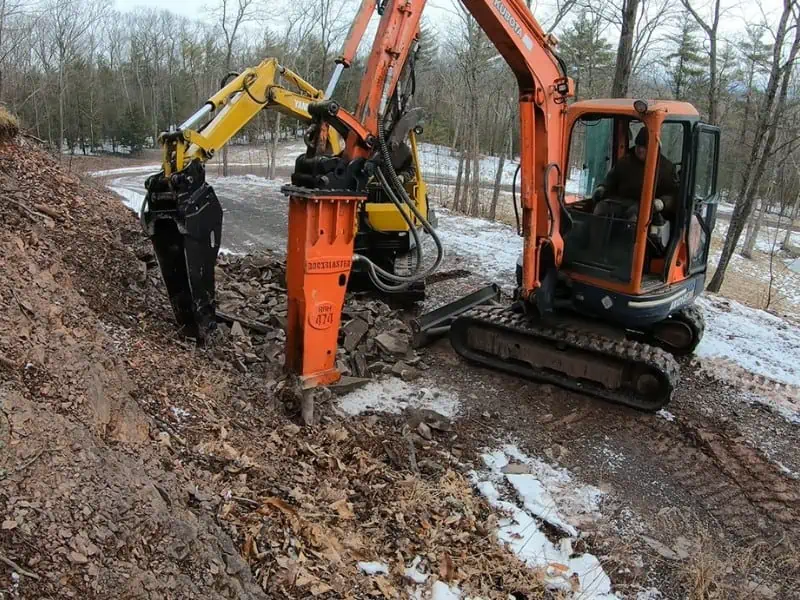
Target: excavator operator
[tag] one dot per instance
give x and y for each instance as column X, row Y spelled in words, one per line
column 618, row 196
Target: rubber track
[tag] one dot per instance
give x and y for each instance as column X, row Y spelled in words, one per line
column 628, row 351
column 693, row 317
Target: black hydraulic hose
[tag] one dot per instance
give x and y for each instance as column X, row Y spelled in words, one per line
column 514, row 198
column 398, row 186
column 228, row 76
column 561, row 62
column 379, row 276
column 246, row 87
column 546, row 193
column 392, row 185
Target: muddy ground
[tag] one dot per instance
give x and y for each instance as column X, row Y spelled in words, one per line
column 701, row 502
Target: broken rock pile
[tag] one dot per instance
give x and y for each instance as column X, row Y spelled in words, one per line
column 251, row 295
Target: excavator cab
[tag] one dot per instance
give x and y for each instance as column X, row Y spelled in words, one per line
column 640, row 188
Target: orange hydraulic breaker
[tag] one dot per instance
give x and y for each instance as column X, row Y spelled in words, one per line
column 322, row 228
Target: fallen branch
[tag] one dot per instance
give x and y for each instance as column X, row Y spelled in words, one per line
column 34, row 138
column 24, row 309
column 29, row 462
column 19, row 569
column 54, row 214
column 27, row 208
column 412, row 455
column 253, row 325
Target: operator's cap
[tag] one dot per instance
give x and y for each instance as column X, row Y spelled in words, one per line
column 641, row 137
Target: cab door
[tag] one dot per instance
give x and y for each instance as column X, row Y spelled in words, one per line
column 703, row 196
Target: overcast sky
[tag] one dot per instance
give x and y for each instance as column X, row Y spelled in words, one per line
column 439, row 12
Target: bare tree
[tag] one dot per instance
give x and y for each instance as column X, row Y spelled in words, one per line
column 622, row 74
column 232, row 15
column 711, row 28
column 67, row 22
column 770, row 114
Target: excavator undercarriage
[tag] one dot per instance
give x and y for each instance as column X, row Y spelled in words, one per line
column 570, row 352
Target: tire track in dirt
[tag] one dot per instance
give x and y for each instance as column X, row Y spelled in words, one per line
column 738, row 486
column 697, row 460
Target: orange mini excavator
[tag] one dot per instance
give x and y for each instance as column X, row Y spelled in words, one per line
column 616, row 234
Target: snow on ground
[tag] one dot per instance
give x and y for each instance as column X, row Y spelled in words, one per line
column 394, row 396
column 530, row 492
column 154, row 168
column 441, row 161
column 131, row 199
column 739, row 338
column 489, row 248
column 766, row 239
column 373, row 568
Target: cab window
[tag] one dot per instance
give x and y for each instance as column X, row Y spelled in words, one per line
column 590, row 156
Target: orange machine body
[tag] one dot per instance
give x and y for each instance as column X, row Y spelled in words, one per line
column 322, row 229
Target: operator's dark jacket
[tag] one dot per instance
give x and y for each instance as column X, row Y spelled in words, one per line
column 625, row 180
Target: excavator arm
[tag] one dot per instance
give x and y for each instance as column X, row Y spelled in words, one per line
column 543, row 90
column 235, row 105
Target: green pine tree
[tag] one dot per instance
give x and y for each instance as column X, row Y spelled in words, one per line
column 133, row 130
column 589, row 57
column 686, row 62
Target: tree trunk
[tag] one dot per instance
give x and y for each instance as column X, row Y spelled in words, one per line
column 475, row 204
column 753, row 228
column 454, row 145
column 713, row 95
column 769, row 119
column 276, row 130
column 622, row 73
column 787, row 238
column 498, row 178
column 461, row 206
column 458, row 178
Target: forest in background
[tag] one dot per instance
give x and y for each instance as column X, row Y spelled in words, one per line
column 85, row 77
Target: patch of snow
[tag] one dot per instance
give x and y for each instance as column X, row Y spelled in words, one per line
column 373, row 568
column 786, row 470
column 441, row 591
column 740, row 341
column 155, row 168
column 180, row 413
column 413, row 574
column 394, row 395
column 246, row 181
column 131, row 199
column 442, row 161
column 490, row 248
column 665, row 414
column 755, row 339
column 579, row 503
column 555, row 498
column 649, row 594
column 539, row 502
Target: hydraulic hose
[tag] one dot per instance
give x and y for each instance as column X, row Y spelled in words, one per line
column 514, row 198
column 547, row 193
column 384, row 280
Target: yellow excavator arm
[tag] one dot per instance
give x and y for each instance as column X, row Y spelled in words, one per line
column 236, row 104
